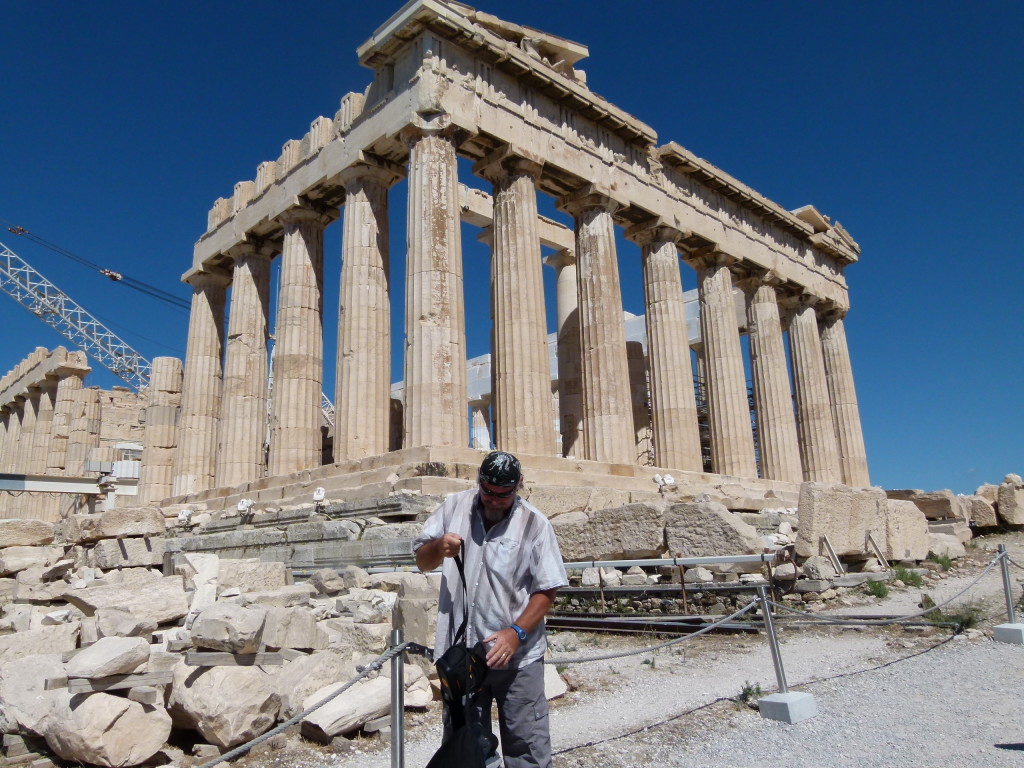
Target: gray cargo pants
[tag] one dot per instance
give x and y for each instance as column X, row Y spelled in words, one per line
column 522, row 714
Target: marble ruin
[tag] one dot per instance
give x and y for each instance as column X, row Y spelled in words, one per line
column 450, row 82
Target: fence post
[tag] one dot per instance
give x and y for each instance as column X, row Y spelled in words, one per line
column 1011, row 632
column 397, row 703
column 787, row 706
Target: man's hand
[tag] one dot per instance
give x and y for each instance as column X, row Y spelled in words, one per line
column 430, row 555
column 506, row 643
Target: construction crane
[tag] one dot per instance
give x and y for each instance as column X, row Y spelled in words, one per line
column 50, row 304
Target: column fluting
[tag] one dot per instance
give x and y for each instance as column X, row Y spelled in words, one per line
column 570, row 386
column 853, row 458
column 161, row 439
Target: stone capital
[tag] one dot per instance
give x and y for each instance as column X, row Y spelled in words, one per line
column 301, row 212
column 373, row 168
column 250, row 249
column 589, row 198
column 654, row 232
column 210, row 277
column 509, row 161
column 755, row 278
column 562, row 258
column 439, row 125
column 705, row 258
column 486, row 235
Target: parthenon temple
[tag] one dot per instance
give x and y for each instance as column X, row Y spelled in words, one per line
column 454, row 87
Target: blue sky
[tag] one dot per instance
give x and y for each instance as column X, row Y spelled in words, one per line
column 121, row 123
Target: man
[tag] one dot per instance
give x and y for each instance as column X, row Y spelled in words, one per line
column 513, row 570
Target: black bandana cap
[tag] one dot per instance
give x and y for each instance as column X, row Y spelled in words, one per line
column 501, row 469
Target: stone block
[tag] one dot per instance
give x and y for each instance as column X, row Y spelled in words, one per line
column 707, row 528
column 945, row 544
column 83, row 528
column 252, row 575
column 126, row 553
column 18, row 558
column 154, row 599
column 791, row 707
column 979, row 510
column 936, row 505
column 555, row 501
column 299, row 679
column 636, row 530
column 282, row 597
column 24, row 533
column 44, row 640
column 293, row 628
column 1010, row 504
column 110, row 656
column 327, row 581
column 228, row 627
column 906, row 531
column 364, row 701
column 131, row 521
column 842, row 513
column 1009, row 633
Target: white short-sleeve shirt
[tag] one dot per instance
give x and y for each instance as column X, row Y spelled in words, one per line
column 504, row 566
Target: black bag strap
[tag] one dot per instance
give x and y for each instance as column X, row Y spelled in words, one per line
column 460, row 634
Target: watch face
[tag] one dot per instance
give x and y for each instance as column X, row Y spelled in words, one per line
column 521, row 633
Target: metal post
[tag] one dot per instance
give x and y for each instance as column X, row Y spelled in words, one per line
column 397, row 703
column 773, row 641
column 1004, row 566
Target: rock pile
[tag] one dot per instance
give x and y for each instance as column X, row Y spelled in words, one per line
column 102, row 654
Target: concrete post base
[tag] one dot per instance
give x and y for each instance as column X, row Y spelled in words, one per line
column 1009, row 633
column 789, row 707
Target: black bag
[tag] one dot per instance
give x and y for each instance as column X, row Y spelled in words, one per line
column 461, row 671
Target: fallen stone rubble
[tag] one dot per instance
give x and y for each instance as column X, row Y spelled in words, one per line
column 103, row 654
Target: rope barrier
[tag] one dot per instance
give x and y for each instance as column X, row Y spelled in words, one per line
column 1013, row 562
column 373, row 666
column 606, row 656
column 883, row 622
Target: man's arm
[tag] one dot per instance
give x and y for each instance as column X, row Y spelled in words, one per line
column 506, row 642
column 431, row 553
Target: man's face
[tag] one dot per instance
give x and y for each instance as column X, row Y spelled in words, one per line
column 497, row 500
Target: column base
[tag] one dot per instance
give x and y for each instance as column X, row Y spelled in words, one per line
column 789, row 707
column 1009, row 633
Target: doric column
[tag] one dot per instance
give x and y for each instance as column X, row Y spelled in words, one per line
column 200, row 401
column 521, row 373
column 295, row 439
column 853, row 458
column 244, row 394
column 83, row 437
column 14, row 421
column 732, row 441
column 25, row 463
column 44, row 426
column 480, row 431
column 160, row 438
column 607, row 408
column 773, row 399
column 673, row 407
column 69, row 380
column 818, row 448
column 639, row 393
column 362, row 392
column 435, row 405
column 7, row 419
column 570, row 387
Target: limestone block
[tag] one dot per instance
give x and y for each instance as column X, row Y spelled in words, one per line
column 364, row 701
column 393, row 531
column 945, row 544
column 132, row 521
column 367, row 606
column 988, row 492
column 327, row 581
column 417, row 618
column 281, row 597
column 392, row 582
column 124, row 553
column 18, row 558
column 115, row 622
column 298, row 679
column 819, row 567
column 906, row 531
column 342, row 530
column 293, row 628
column 842, row 513
column 56, row 639
column 110, row 656
column 339, row 634
column 555, row 501
column 956, row 527
column 7, row 590
column 371, row 638
column 706, row 528
column 226, row 705
column 635, row 530
column 229, row 627
column 418, row 585
column 22, row 694
column 697, row 575
column 936, row 505
column 252, row 575
column 155, row 599
column 979, row 510
column 24, row 533
column 554, row 685
column 1015, row 480
column 354, row 576
column 1010, row 504
column 82, row 529
column 197, row 568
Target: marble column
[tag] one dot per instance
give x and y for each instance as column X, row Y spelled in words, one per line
column 243, row 424
column 362, row 392
column 480, row 431
column 818, row 448
column 607, row 409
column 853, row 460
column 156, row 481
column 570, row 386
column 68, row 382
column 436, row 401
column 732, row 440
column 14, row 422
column 43, row 506
column 83, row 438
column 773, row 398
column 520, row 370
column 296, row 442
column 25, row 463
column 7, row 420
column 639, row 392
column 195, row 463
column 673, row 406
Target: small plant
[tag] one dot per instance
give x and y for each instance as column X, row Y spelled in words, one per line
column 908, row 577
column 877, row 588
column 649, row 662
column 944, row 560
column 962, row 616
column 749, row 694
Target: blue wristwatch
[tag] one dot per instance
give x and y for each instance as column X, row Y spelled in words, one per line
column 520, row 632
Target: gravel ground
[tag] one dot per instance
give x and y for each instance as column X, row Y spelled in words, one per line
column 886, row 696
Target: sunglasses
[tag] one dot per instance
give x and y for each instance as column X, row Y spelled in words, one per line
column 497, row 494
